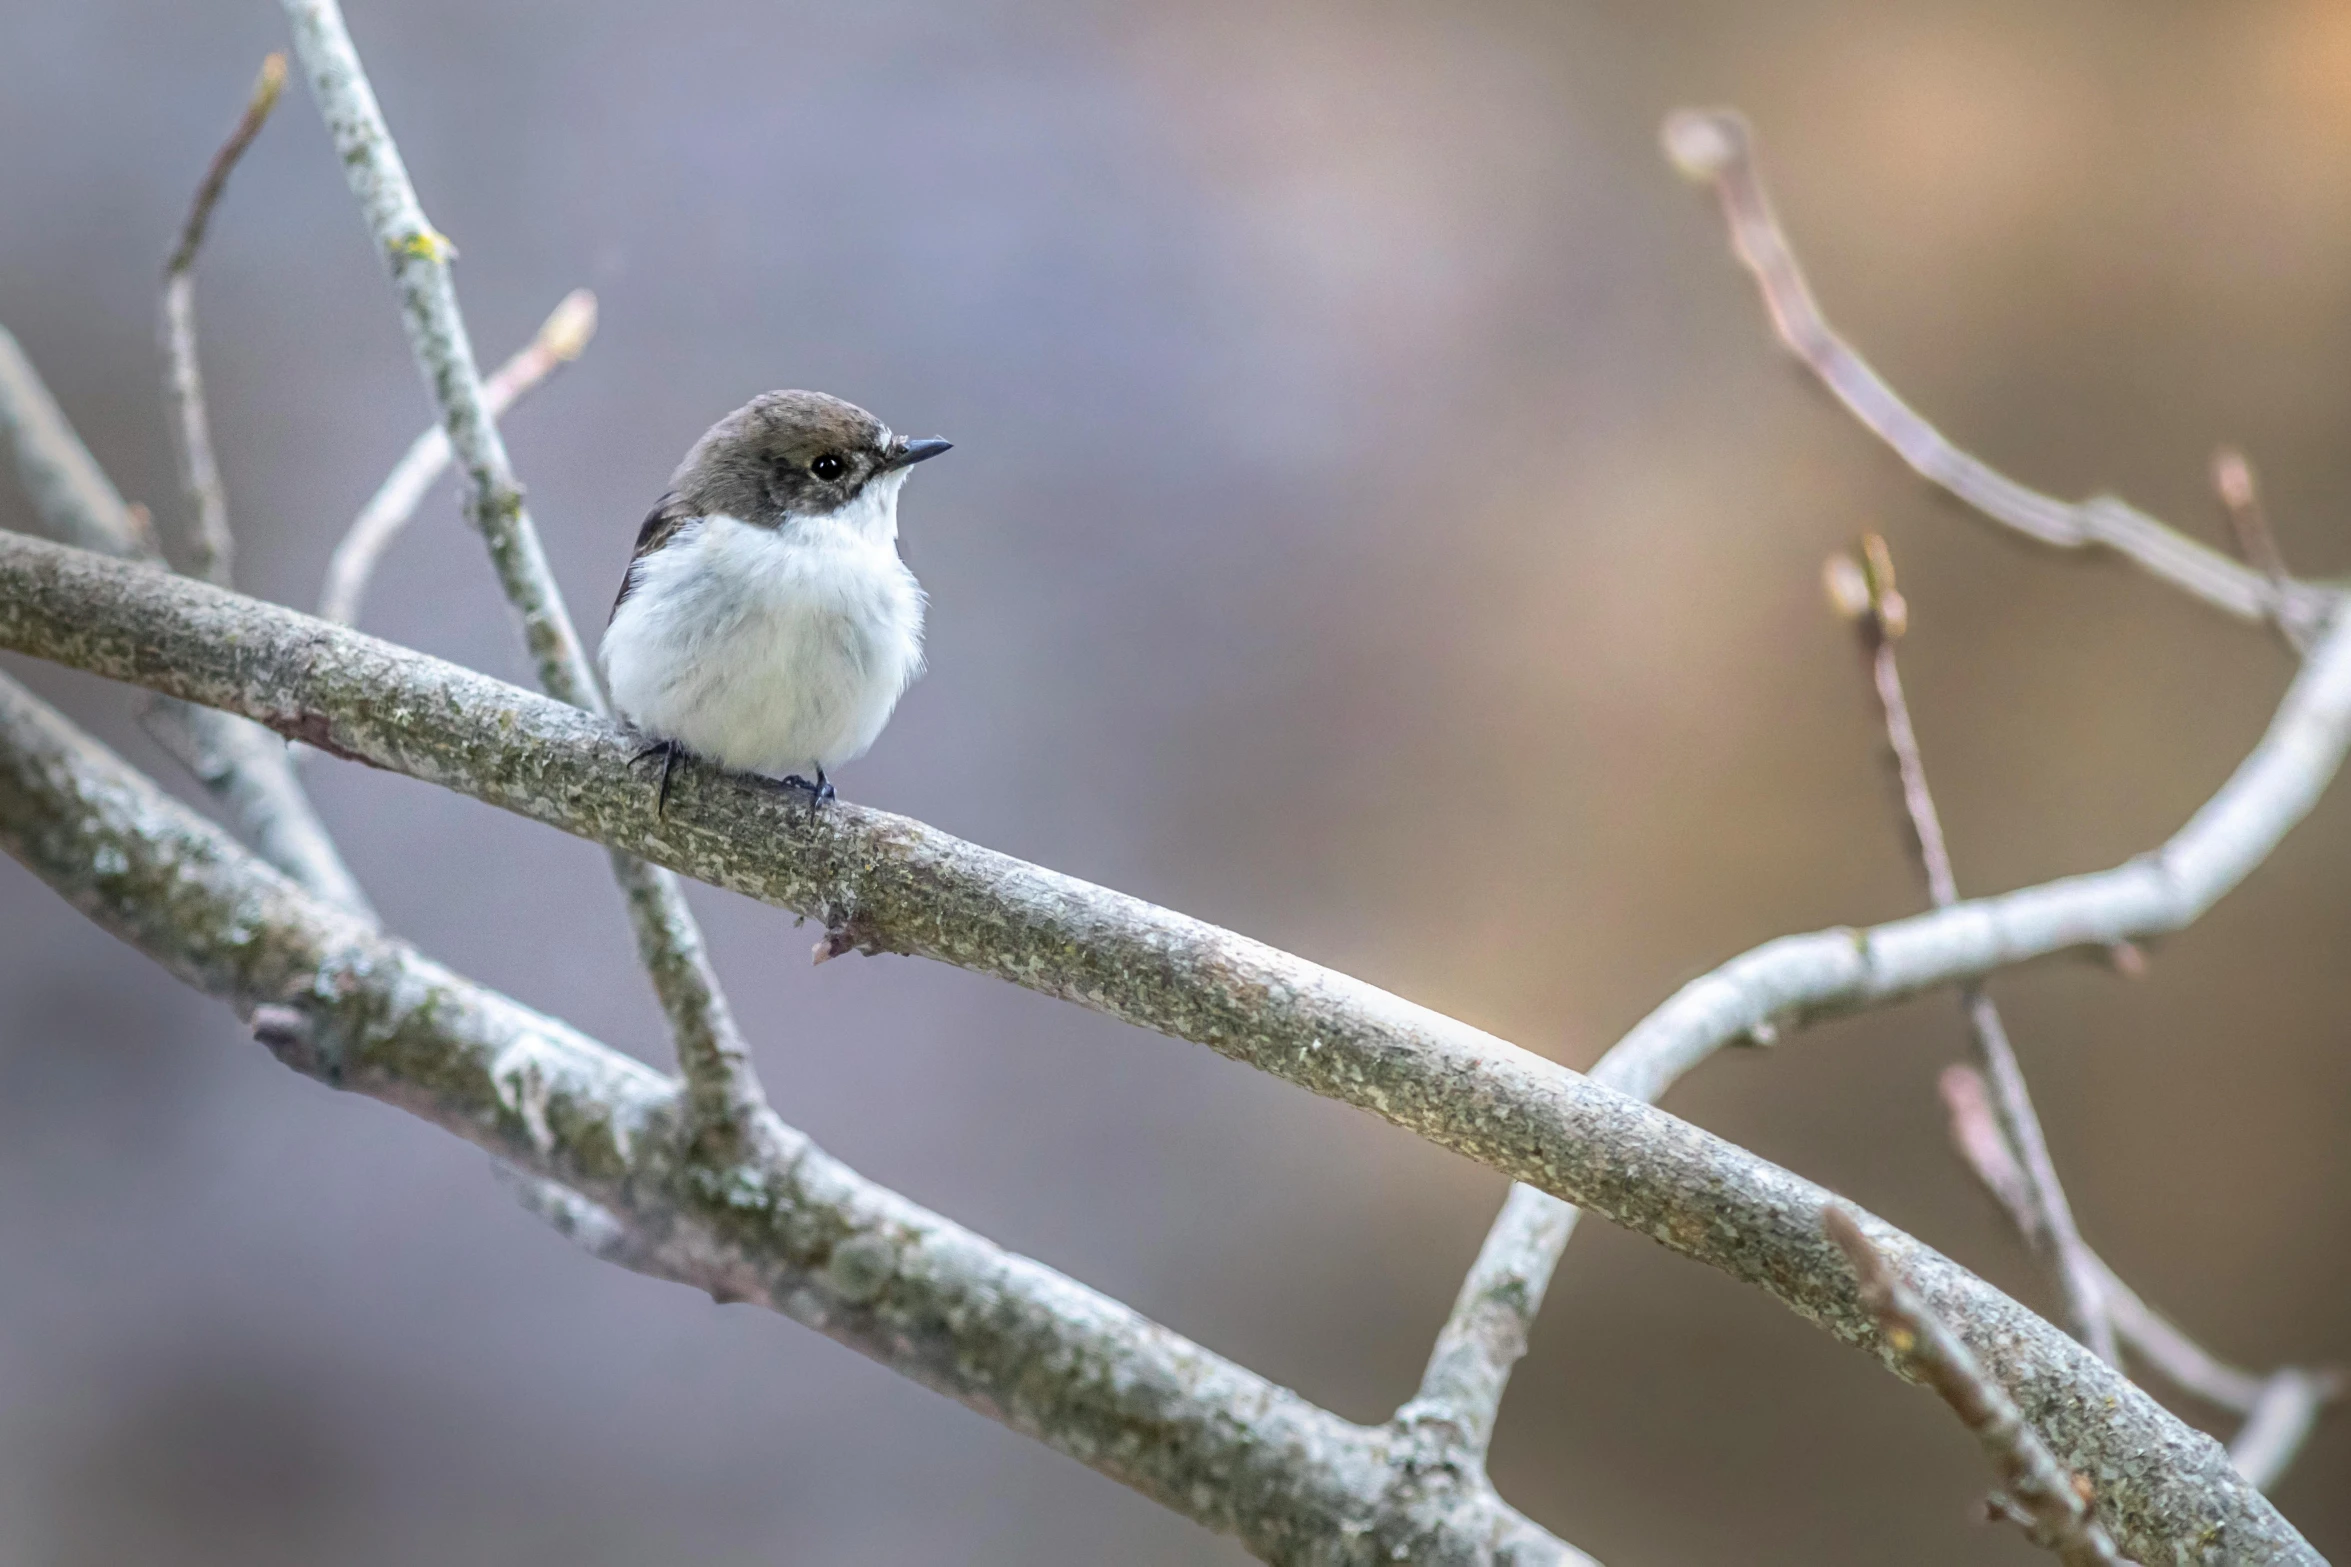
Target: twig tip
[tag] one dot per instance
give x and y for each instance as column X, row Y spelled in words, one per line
column 2232, row 477
column 1862, row 591
column 1847, row 585
column 568, row 327
column 268, row 84
column 1706, row 144
column 266, row 87
column 1893, row 611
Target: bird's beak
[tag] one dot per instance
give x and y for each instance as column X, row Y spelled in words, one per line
column 917, row 451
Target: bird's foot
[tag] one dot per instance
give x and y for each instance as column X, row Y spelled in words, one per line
column 668, row 751
column 818, row 792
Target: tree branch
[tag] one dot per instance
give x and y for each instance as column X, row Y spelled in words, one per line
column 1798, row 978
column 1485, row 1335
column 2281, row 1409
column 710, row 1048
column 244, row 766
column 237, row 759
column 888, row 883
column 788, row 1228
column 1879, row 614
column 1795, row 979
column 1716, row 146
column 212, row 547
column 2055, row 1513
column 562, row 338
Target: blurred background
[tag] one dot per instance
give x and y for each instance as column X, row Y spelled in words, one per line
column 1379, row 522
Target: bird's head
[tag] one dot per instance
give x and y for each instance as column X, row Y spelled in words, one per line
column 789, row 456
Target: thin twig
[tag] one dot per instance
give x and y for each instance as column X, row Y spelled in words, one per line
column 1881, row 619
column 791, row 1229
column 2078, row 1275
column 231, row 760
column 246, row 767
column 900, row 886
column 264, row 97
column 562, row 338
column 1485, row 1335
column 243, row 765
column 1716, row 146
column 720, row 1080
column 211, row 548
column 2059, row 1518
column 587, row 1224
column 2240, row 497
column 2281, row 1421
column 1983, row 1147
column 2281, row 1409
column 2185, row 1363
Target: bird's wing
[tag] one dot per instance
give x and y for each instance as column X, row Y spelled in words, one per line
column 661, row 525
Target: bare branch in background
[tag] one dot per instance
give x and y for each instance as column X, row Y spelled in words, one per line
column 1983, row 1147
column 2056, row 1514
column 249, row 769
column 898, row 885
column 211, row 548
column 266, row 86
column 1715, row 146
column 562, row 338
column 715, row 1061
column 69, row 491
column 2281, row 1420
column 245, row 764
column 790, row 1228
column 1797, row 978
column 1881, row 619
column 1764, row 992
column 2280, row 1410
column 242, row 764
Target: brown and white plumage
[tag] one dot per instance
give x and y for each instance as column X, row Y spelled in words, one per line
column 766, row 621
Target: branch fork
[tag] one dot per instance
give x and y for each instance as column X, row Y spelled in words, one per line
column 712, row 1055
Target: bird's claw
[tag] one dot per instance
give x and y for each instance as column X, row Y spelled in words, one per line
column 818, row 792
column 669, row 758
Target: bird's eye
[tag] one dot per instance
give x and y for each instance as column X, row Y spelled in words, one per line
column 828, row 467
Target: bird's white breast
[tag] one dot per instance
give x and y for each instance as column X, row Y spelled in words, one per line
column 770, row 650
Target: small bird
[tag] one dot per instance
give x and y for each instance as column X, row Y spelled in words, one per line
column 766, row 621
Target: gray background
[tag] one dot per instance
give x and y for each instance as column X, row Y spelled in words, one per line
column 1378, row 523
